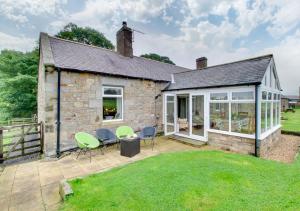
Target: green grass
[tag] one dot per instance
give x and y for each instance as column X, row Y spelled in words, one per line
column 196, row 180
column 292, row 122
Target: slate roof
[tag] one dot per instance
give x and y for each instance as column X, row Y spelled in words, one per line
column 244, row 72
column 81, row 57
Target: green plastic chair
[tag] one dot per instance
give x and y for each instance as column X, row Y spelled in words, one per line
column 124, row 131
column 86, row 142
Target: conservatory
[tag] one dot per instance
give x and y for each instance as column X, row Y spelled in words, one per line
column 239, row 99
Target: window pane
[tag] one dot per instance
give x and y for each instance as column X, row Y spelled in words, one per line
column 170, row 98
column 243, row 95
column 264, row 95
column 170, row 112
column 198, row 115
column 112, row 108
column 263, row 117
column 219, row 116
column 218, row 96
column 268, row 116
column 269, row 96
column 242, row 118
column 278, row 113
column 274, row 113
column 112, row 91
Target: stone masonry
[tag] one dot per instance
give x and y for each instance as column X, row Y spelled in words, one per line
column 267, row 145
column 244, row 145
column 81, row 105
column 231, row 143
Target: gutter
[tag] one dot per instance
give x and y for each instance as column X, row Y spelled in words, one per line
column 256, row 149
column 58, row 114
column 208, row 87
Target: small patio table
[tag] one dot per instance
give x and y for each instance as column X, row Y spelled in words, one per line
column 130, row 146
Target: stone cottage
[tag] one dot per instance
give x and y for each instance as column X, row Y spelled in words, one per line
column 83, row 88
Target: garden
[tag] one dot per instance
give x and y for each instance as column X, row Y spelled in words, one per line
column 193, row 180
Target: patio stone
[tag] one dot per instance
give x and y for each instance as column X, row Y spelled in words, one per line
column 72, row 172
column 50, row 194
column 34, row 185
column 4, row 202
column 53, row 207
column 48, row 177
column 26, row 197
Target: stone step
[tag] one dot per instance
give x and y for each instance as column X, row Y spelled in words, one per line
column 188, row 141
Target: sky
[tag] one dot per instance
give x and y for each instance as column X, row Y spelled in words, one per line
column 221, row 30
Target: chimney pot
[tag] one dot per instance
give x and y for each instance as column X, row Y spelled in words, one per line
column 201, row 63
column 124, row 40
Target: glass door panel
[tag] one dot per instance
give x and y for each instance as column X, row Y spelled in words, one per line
column 170, row 121
column 183, row 114
column 198, row 115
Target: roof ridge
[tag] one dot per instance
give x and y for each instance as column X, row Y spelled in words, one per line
column 228, row 63
column 80, row 43
column 152, row 60
column 110, row 50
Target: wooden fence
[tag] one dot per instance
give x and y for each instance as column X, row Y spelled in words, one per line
column 18, row 141
column 18, row 121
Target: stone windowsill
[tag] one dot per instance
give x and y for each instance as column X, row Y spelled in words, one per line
column 113, row 122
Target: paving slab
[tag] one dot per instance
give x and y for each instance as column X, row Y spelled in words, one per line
column 34, row 185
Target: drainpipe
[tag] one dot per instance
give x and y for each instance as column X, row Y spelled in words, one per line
column 256, row 121
column 58, row 114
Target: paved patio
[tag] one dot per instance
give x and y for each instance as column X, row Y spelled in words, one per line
column 34, row 185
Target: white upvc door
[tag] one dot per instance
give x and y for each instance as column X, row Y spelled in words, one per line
column 169, row 114
column 198, row 116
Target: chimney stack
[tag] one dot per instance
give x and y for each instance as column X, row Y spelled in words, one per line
column 124, row 40
column 201, row 63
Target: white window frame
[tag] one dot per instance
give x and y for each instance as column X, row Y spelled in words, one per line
column 113, row 96
column 277, row 125
column 230, row 101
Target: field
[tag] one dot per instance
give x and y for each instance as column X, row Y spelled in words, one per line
column 291, row 121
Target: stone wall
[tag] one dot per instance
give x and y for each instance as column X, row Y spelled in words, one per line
column 267, row 145
column 81, row 105
column 232, row 143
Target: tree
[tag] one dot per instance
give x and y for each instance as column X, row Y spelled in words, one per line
column 85, row 35
column 18, row 83
column 157, row 57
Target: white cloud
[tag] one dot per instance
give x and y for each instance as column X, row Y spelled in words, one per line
column 287, row 56
column 113, row 12
column 17, row 43
column 286, row 18
column 18, row 11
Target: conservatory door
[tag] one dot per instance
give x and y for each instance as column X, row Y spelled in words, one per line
column 169, row 114
column 197, row 116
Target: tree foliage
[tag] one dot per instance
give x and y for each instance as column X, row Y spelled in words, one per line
column 157, row 57
column 18, row 83
column 85, row 35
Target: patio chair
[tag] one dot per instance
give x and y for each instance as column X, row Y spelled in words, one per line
column 106, row 137
column 124, row 131
column 86, row 142
column 148, row 133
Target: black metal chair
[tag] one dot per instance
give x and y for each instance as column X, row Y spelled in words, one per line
column 106, row 137
column 148, row 133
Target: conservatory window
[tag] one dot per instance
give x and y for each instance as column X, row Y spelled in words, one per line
column 243, row 112
column 270, row 111
column 219, row 116
column 219, row 111
column 112, row 98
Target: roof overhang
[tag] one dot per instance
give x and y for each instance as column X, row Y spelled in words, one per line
column 208, row 87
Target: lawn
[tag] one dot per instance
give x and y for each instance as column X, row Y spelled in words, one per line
column 292, row 122
column 195, row 180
